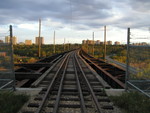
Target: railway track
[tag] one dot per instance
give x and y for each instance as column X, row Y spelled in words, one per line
column 70, row 86
column 113, row 75
column 28, row 73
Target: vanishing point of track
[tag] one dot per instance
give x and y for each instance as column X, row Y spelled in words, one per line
column 70, row 86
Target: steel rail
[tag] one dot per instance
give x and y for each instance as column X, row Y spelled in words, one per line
column 83, row 107
column 89, row 86
column 36, row 71
column 57, row 58
column 55, row 110
column 104, row 83
column 106, row 73
column 5, row 85
column 35, row 83
column 50, row 86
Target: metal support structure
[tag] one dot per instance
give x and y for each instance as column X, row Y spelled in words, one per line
column 7, row 84
column 54, row 51
column 104, row 42
column 12, row 57
column 39, row 40
column 138, row 89
column 93, row 44
column 127, row 60
column 129, row 84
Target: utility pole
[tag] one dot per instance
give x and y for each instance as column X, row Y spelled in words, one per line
column 68, row 45
column 64, row 44
column 39, row 39
column 104, row 42
column 127, row 60
column 93, row 44
column 12, row 57
column 87, row 46
column 11, row 35
column 54, row 43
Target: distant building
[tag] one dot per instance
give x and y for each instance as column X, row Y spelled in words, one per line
column 144, row 43
column 97, row 42
column 28, row 42
column 117, row 43
column 101, row 43
column 7, row 39
column 21, row 43
column 140, row 44
column 87, row 41
column 39, row 40
column 136, row 44
column 106, row 43
column 109, row 42
column 83, row 41
column 14, row 40
column 90, row 42
column 1, row 41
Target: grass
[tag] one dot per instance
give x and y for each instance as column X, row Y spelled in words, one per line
column 132, row 102
column 10, row 102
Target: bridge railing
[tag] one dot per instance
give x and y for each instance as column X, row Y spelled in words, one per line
column 138, row 56
column 7, row 76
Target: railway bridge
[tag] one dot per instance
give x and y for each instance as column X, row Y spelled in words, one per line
column 70, row 82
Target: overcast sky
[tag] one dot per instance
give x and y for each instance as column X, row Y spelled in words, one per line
column 74, row 20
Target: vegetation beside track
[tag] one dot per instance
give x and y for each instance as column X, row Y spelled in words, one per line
column 132, row 102
column 29, row 53
column 10, row 102
column 140, row 56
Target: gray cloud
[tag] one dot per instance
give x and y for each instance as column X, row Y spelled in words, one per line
column 83, row 13
column 140, row 5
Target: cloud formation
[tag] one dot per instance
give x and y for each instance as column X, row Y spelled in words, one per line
column 79, row 15
column 77, row 12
